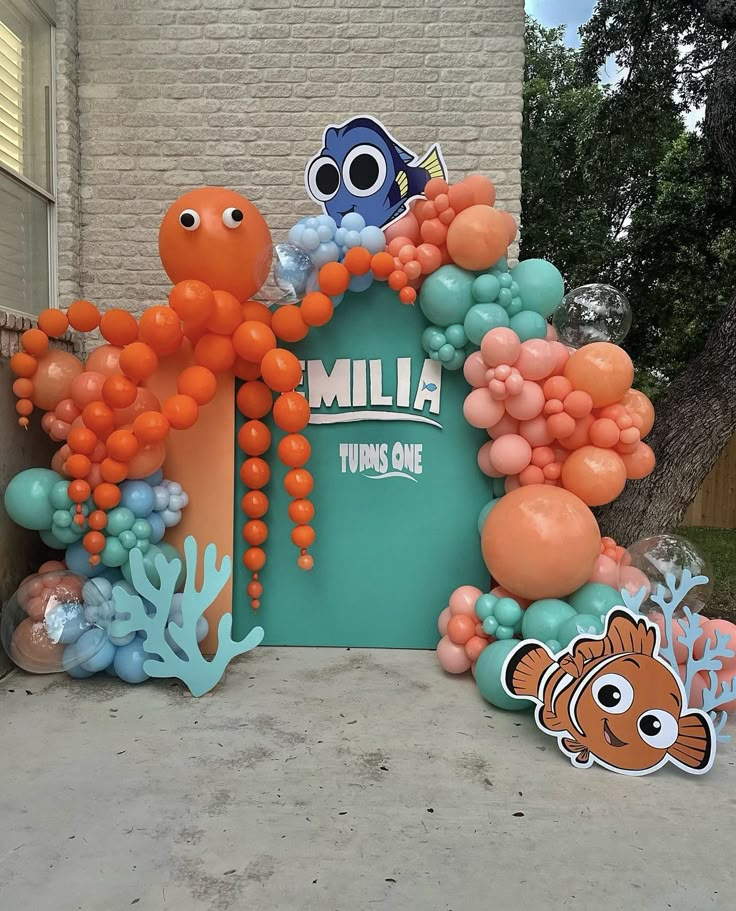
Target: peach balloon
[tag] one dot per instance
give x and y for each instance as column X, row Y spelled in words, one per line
column 639, row 463
column 595, row 475
column 104, row 360
column 481, row 409
column 148, row 459
column 636, row 403
column 510, row 454
column 406, row 226
column 484, row 193
column 452, row 657
column 562, row 356
column 475, row 369
column 540, row 541
column 443, row 620
column 536, row 359
column 580, row 435
column 500, row 346
column 145, row 401
column 462, row 600
column 512, row 482
column 87, row 388
column 633, row 579
column 52, row 381
column 511, row 226
column 484, row 461
column 477, row 238
column 527, row 404
column 67, row 411
column 507, row 424
column 603, row 370
column 535, row 431
column 606, row 572
column 727, row 631
column 726, row 675
column 698, row 686
column 32, row 650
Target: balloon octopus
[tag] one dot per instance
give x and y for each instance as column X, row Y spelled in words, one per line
column 216, row 248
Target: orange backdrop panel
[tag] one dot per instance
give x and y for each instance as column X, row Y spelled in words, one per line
column 202, row 460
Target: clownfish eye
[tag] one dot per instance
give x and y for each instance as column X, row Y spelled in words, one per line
column 323, row 178
column 658, row 728
column 364, row 170
column 613, row 693
column 189, row 220
column 232, row 218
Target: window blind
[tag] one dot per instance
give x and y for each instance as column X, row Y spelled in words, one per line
column 11, row 99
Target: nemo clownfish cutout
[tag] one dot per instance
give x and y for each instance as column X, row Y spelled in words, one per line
column 613, row 700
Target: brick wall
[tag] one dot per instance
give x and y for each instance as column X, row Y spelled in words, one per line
column 178, row 93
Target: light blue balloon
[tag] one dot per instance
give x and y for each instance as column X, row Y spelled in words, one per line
column 97, row 591
column 541, row 286
column 481, row 318
column 577, row 625
column 202, row 628
column 352, row 238
column 137, row 496
column 309, row 240
column 158, row 529
column 77, row 561
column 488, row 676
column 327, row 252
column 85, row 649
column 295, row 234
column 103, row 657
column 27, row 498
column 372, row 238
column 66, row 622
column 155, row 478
column 483, row 515
column 486, row 288
column 446, row 295
column 528, row 324
column 327, row 221
column 361, row 282
column 129, row 660
column 542, row 619
column 353, row 221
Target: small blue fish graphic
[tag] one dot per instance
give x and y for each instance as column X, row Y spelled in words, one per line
column 363, row 169
column 430, row 387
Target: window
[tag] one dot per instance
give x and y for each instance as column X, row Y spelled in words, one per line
column 27, row 216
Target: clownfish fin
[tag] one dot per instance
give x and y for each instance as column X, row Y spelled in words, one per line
column 526, row 667
column 695, row 745
column 579, row 754
column 402, row 182
column 433, row 164
column 626, row 633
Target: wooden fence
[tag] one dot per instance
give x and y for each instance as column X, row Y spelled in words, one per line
column 715, row 503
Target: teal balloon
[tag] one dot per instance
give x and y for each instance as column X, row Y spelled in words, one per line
column 59, row 497
column 516, row 306
column 508, row 612
column 67, row 534
column 149, row 564
column 540, row 285
column 528, row 324
column 446, row 353
column 499, row 487
column 446, row 295
column 482, row 318
column 542, row 619
column 577, row 625
column 119, row 519
column 456, row 336
column 456, row 361
column 433, row 339
column 484, row 513
column 27, row 498
column 595, row 598
column 488, row 676
column 114, row 553
column 50, row 540
column 486, row 288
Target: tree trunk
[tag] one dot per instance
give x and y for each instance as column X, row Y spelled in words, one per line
column 695, row 420
column 720, row 110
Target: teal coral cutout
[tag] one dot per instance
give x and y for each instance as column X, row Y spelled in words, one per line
column 716, row 694
column 198, row 673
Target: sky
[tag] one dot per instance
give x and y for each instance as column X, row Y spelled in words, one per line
column 571, row 13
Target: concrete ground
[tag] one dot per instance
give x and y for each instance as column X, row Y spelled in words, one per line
column 340, row 781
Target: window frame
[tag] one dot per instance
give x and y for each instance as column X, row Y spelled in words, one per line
column 49, row 196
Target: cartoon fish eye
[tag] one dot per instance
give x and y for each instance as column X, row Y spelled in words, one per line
column 232, row 218
column 364, row 170
column 658, row 728
column 613, row 693
column 323, row 178
column 189, row 220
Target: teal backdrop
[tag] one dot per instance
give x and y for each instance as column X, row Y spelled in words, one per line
column 397, row 490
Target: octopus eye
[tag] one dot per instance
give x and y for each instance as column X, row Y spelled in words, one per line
column 189, row 220
column 659, row 729
column 232, row 218
column 613, row 693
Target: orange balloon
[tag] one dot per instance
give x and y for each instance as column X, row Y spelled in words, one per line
column 255, row 310
column 225, row 316
column 118, row 327
column 245, row 370
column 484, row 193
column 138, row 361
column 199, row 383
column 254, row 438
column 23, row 364
column 32, row 649
column 540, row 541
column 317, row 308
column 83, row 316
column 53, row 378
column 113, row 471
column 595, row 475
column 79, row 491
column 106, row 496
column 636, row 403
column 149, row 458
column 215, row 352
column 291, row 412
column 639, row 463
column 254, row 504
column 281, row 370
column 301, row 511
column 303, row 535
column 255, row 531
column 53, row 322
column 358, row 261
column 122, row 445
column 382, row 265
column 35, row 342
column 333, row 279
column 119, row 391
column 23, row 388
column 251, row 340
column 100, row 418
column 601, row 369
column 77, row 465
column 24, row 407
column 580, row 435
column 151, row 427
column 192, row 301
column 294, row 450
column 104, row 360
column 82, row 440
column 288, row 324
column 181, row 411
column 145, row 400
column 511, row 226
column 477, row 237
column 255, row 473
column 94, row 542
column 254, row 399
column 254, row 559
column 160, row 328
column 298, row 482
column 217, row 237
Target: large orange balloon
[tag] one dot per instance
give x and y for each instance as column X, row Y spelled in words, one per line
column 636, row 402
column 477, row 237
column 149, row 458
column 601, row 369
column 595, row 475
column 217, row 237
column 53, row 378
column 540, row 541
column 145, row 400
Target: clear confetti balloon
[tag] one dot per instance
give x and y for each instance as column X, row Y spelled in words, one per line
column 593, row 313
column 660, row 555
column 292, row 275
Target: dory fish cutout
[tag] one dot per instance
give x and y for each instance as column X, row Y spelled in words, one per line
column 362, row 168
column 612, row 700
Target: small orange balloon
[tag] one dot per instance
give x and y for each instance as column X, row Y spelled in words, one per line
column 477, row 237
column 382, row 265
column 358, row 261
column 254, row 504
column 82, row 440
column 23, row 388
column 254, row 438
column 35, row 342
column 254, row 559
column 636, row 403
column 53, row 322
column 94, row 542
column 288, row 324
column 298, row 482
column 639, row 463
column 225, row 316
column 160, row 328
column 83, row 316
column 251, row 340
column 255, row 473
column 78, row 466
column 79, row 491
column 118, row 327
column 281, row 370
column 138, row 361
column 333, row 279
column 255, row 531
column 215, row 352
column 595, row 475
column 305, row 562
column 24, row 365
column 303, row 535
column 24, row 407
column 181, row 411
column 301, row 511
column 255, row 310
column 291, row 412
column 106, row 495
column 119, row 391
column 601, row 369
column 113, row 471
column 99, row 417
column 151, row 427
column 317, row 309
column 198, row 382
column 97, row 520
column 254, row 399
column 192, row 301
column 294, row 450
column 122, row 445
